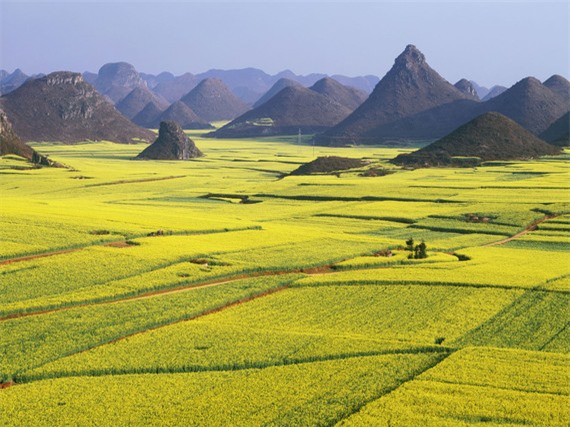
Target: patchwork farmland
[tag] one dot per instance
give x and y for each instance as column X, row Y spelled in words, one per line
column 223, row 291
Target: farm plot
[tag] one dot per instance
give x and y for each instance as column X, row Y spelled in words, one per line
column 491, row 386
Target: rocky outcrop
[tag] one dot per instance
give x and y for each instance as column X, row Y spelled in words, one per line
column 62, row 107
column 467, row 88
column 10, row 143
column 172, row 144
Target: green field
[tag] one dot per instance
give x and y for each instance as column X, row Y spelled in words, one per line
column 222, row 292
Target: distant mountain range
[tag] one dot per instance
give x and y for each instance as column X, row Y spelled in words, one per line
column 412, row 101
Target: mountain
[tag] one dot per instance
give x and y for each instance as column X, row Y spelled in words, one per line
column 482, row 91
column 90, row 77
column 466, row 87
column 63, row 107
column 364, row 83
column 529, row 103
column 10, row 143
column 137, row 99
column 182, row 114
column 212, row 100
column 12, row 81
column 248, row 83
column 116, row 80
column 293, row 109
column 490, row 136
column 171, row 144
column 349, row 97
column 410, row 87
column 493, row 92
column 275, row 89
column 559, row 85
column 152, row 81
column 558, row 133
column 174, row 89
column 149, row 116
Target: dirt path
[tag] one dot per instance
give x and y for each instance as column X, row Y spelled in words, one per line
column 42, row 255
column 531, row 227
column 151, row 294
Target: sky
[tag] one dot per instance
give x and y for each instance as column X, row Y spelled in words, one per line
column 487, row 41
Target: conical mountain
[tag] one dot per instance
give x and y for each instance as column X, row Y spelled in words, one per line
column 10, row 143
column 558, row 84
column 291, row 110
column 493, row 92
column 558, row 133
column 529, row 103
column 116, row 80
column 174, row 89
column 348, row 96
column 172, row 144
column 410, row 87
column 279, row 85
column 137, row 99
column 63, row 107
column 149, row 116
column 491, row 136
column 182, row 114
column 212, row 100
column 467, row 88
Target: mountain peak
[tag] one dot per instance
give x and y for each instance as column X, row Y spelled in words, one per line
column 410, row 56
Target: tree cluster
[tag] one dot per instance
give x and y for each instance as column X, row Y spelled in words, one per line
column 416, row 251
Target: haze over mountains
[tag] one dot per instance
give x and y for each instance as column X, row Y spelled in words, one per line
column 411, row 102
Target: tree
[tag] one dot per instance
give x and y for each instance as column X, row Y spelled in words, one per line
column 410, row 244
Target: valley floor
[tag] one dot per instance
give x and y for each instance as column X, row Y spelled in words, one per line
column 222, row 292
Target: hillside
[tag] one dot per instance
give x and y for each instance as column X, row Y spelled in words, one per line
column 559, row 85
column 180, row 113
column 63, row 107
column 558, row 133
column 213, row 101
column 529, row 103
column 410, row 87
column 137, row 100
column 328, row 164
column 275, row 89
column 291, row 110
column 148, row 116
column 350, row 97
column 490, row 136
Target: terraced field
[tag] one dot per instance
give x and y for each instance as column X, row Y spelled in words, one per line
column 223, row 292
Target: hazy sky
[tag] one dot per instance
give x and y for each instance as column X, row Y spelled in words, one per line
column 487, row 41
